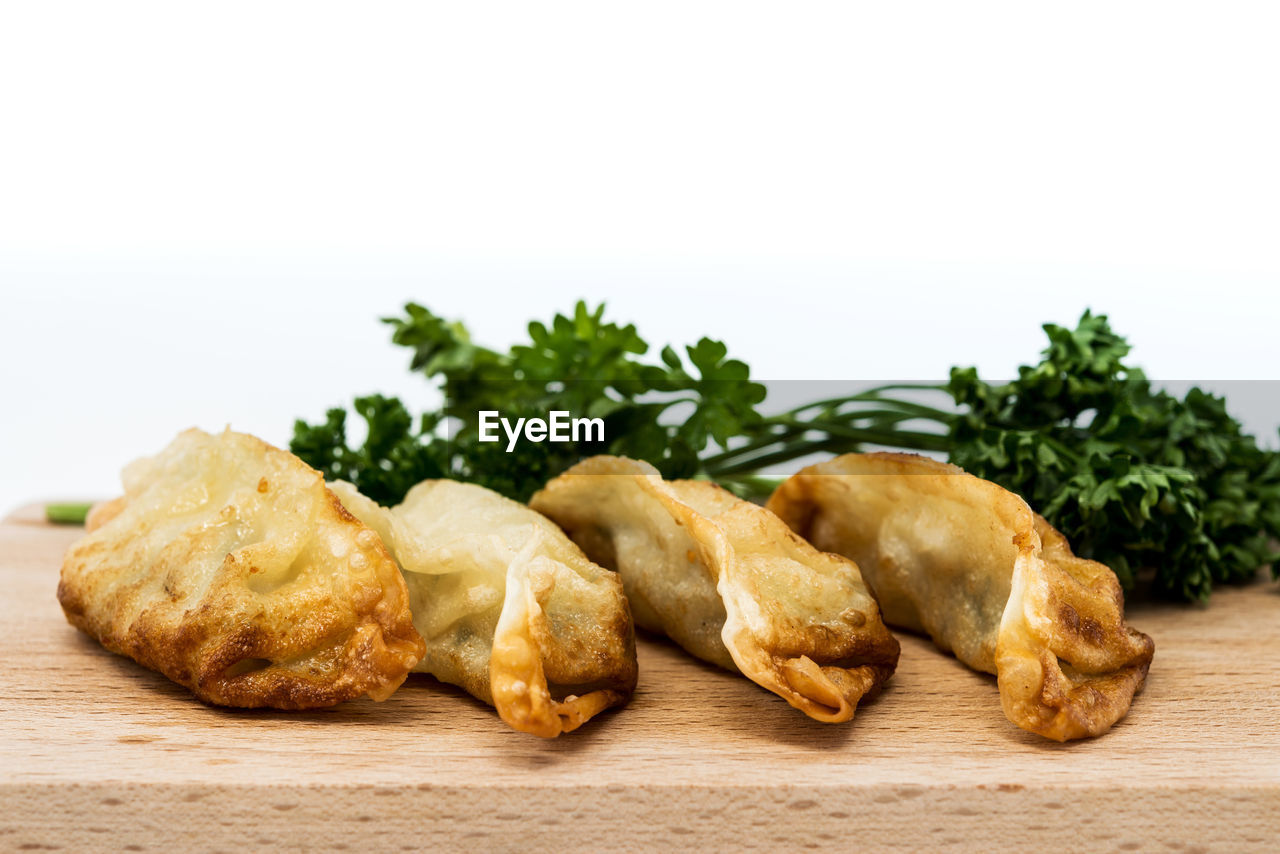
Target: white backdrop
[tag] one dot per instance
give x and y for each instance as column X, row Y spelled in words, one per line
column 204, row 210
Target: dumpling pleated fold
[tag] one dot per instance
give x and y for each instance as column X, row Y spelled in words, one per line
column 509, row 608
column 971, row 565
column 729, row 582
column 230, row 568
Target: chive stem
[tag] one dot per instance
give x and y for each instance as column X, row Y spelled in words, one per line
column 66, row 512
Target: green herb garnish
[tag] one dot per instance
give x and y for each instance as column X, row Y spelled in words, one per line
column 1167, row 491
column 67, row 512
column 665, row 411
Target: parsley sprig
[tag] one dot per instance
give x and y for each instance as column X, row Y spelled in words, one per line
column 1168, row 491
column 665, row 411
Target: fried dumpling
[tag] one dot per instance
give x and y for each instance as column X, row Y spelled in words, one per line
column 729, row 582
column 970, row 564
column 230, row 568
column 510, row 609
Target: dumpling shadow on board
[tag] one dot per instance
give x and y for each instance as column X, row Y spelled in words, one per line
column 470, row 715
column 122, row 681
column 422, row 703
column 729, row 582
column 971, row 565
column 714, row 704
column 450, row 712
column 118, row 677
column 419, row 704
column 937, row 698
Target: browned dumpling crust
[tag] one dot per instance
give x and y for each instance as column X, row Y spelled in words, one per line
column 970, row 564
column 509, row 608
column 729, row 582
column 230, row 568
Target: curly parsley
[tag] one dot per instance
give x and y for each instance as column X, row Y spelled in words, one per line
column 666, row 412
column 1167, row 491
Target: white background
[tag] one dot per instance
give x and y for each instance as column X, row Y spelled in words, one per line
column 205, row 207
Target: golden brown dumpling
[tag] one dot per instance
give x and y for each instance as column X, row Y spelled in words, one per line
column 726, row 580
column 230, row 568
column 969, row 563
column 510, row 609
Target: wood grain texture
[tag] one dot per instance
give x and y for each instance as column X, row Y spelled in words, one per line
column 97, row 753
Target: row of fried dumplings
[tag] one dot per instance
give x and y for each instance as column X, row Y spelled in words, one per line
column 231, row 567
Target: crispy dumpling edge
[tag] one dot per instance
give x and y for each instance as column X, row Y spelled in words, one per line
column 826, row 693
column 516, row 675
column 377, row 654
column 1036, row 693
column 517, row 679
column 1042, row 626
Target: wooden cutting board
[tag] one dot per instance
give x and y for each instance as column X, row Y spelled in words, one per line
column 97, row 753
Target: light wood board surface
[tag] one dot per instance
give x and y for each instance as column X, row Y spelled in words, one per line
column 97, row 753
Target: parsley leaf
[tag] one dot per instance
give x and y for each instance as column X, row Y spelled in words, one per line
column 664, row 412
column 1169, row 492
